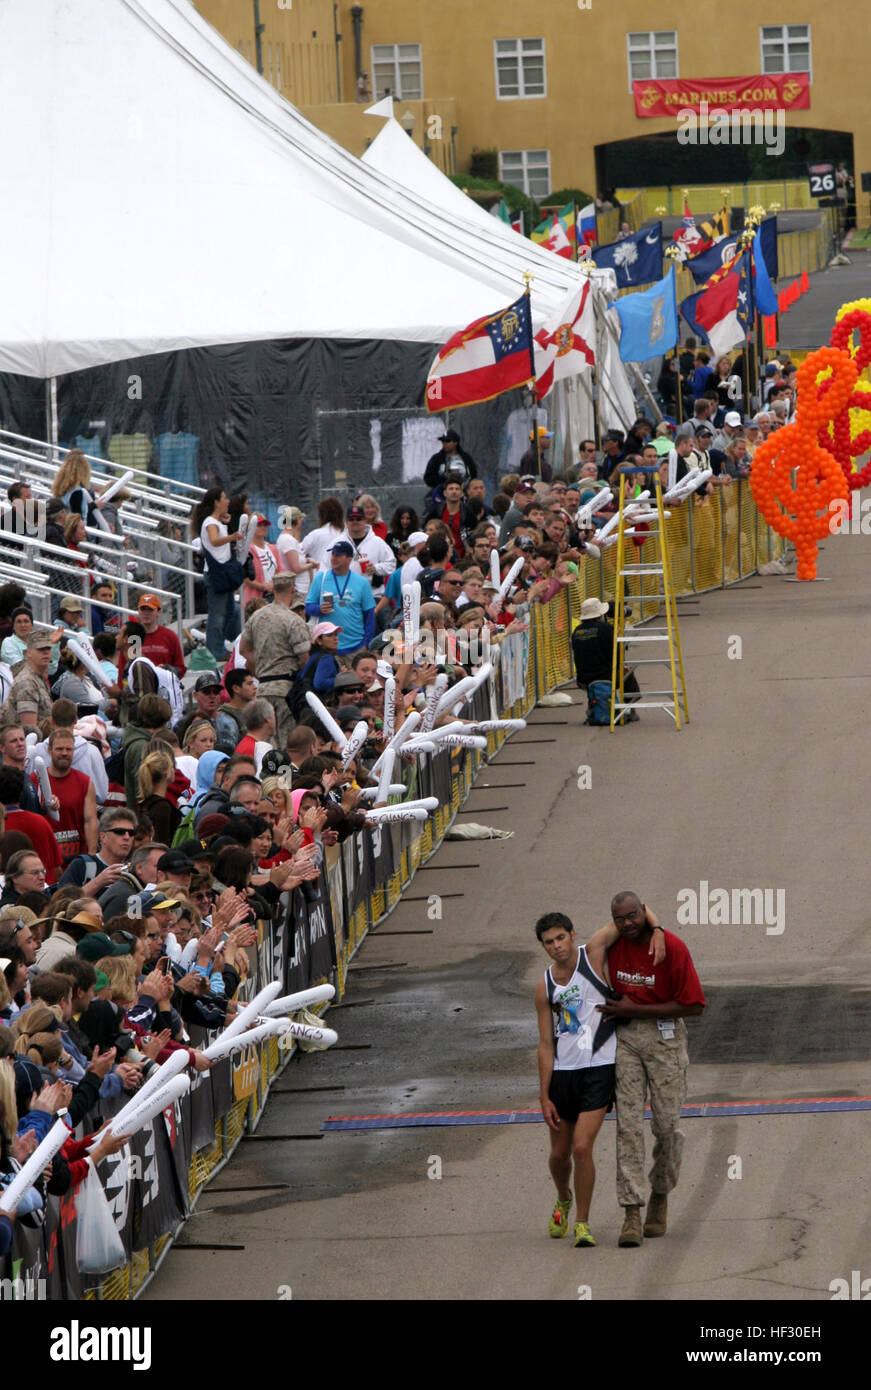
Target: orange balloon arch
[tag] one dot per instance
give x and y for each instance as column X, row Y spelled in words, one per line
column 801, row 509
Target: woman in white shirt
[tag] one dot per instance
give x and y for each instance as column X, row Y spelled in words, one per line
column 331, row 524
column 209, row 522
column 290, row 549
column 267, row 563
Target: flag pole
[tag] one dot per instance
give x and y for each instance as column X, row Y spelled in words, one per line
column 575, row 225
column 528, row 278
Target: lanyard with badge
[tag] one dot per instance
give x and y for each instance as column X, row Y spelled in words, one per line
column 340, row 593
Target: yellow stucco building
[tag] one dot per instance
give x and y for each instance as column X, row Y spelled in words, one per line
column 548, row 84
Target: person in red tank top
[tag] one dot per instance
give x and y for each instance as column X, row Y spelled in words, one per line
column 76, row 832
column 35, row 827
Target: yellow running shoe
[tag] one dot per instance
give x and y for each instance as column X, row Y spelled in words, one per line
column 582, row 1234
column 558, row 1226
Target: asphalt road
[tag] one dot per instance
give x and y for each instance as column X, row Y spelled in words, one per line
column 767, row 787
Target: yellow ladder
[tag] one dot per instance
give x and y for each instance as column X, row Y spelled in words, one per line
column 673, row 701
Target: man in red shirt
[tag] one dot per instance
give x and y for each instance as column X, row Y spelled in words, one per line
column 35, row 827
column 651, row 1056
column 160, row 644
column 77, row 831
column 452, row 513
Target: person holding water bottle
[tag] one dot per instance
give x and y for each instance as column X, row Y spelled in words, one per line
column 338, row 595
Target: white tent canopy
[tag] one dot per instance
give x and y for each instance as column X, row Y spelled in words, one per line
column 166, row 197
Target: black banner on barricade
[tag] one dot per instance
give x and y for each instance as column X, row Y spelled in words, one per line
column 296, row 928
column 25, row 1271
column 201, row 1121
column 321, row 937
column 161, row 1202
column 360, row 885
column 337, row 898
column 221, row 1076
column 440, row 777
column 379, row 846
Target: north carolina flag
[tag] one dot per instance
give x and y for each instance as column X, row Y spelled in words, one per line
column 566, row 345
column 722, row 312
column 492, row 355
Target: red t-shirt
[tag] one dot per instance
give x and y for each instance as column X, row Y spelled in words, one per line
column 632, row 973
column 38, row 831
column 163, row 648
column 246, row 745
column 69, row 831
column 456, row 529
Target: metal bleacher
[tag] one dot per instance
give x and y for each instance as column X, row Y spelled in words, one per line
column 154, row 501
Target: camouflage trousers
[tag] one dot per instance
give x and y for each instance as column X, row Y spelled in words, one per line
column 274, row 692
column 648, row 1064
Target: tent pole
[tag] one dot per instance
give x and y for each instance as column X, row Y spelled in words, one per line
column 51, row 425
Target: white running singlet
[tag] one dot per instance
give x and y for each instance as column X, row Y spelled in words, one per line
column 582, row 1038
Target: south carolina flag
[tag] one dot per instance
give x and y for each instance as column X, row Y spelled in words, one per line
column 566, row 345
column 492, row 355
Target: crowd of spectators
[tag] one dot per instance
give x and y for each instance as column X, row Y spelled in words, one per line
column 148, row 820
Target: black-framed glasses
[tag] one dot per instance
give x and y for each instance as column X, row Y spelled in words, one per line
column 121, row 830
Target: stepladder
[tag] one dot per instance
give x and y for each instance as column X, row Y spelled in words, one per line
column 643, row 572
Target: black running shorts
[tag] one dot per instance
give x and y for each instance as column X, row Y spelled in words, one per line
column 588, row 1088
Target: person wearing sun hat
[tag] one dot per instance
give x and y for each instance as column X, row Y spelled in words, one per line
column 593, row 650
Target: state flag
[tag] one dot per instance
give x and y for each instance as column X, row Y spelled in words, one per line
column 648, row 320
column 492, row 355
column 722, row 312
column 635, row 259
column 566, row 345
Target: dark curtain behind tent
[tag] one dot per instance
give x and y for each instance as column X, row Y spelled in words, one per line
column 284, row 421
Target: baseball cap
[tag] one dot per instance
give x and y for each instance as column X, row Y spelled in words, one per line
column 174, row 862
column 38, row 638
column 154, row 901
column 344, row 547
column 291, row 515
column 383, row 669
column 323, row 630
column 616, row 435
column 149, row 601
column 750, row 423
column 704, row 431
column 71, row 605
column 418, row 538
column 524, row 486
column 209, row 680
column 101, row 981
column 347, row 680
column 732, row 419
column 97, row 944
column 354, row 514
column 449, row 436
column 543, row 433
column 522, row 543
column 190, row 849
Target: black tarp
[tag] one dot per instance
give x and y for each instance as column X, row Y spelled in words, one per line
column 283, row 420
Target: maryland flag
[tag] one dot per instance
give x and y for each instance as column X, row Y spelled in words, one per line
column 718, row 227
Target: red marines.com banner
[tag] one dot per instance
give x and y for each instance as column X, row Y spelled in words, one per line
column 788, row 91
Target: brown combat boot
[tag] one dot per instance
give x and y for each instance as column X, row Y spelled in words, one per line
column 631, row 1233
column 657, row 1212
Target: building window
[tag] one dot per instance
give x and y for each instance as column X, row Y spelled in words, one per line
column 526, row 169
column 519, row 68
column 785, row 47
column 651, row 54
column 397, row 70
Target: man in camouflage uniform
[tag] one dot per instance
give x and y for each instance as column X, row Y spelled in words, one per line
column 651, row 1058
column 29, row 699
column 277, row 641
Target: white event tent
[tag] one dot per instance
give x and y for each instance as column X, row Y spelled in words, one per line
column 163, row 198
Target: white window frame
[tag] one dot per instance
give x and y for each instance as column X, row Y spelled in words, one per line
column 651, row 49
column 398, row 96
column 521, row 94
column 524, row 183
column 784, row 39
